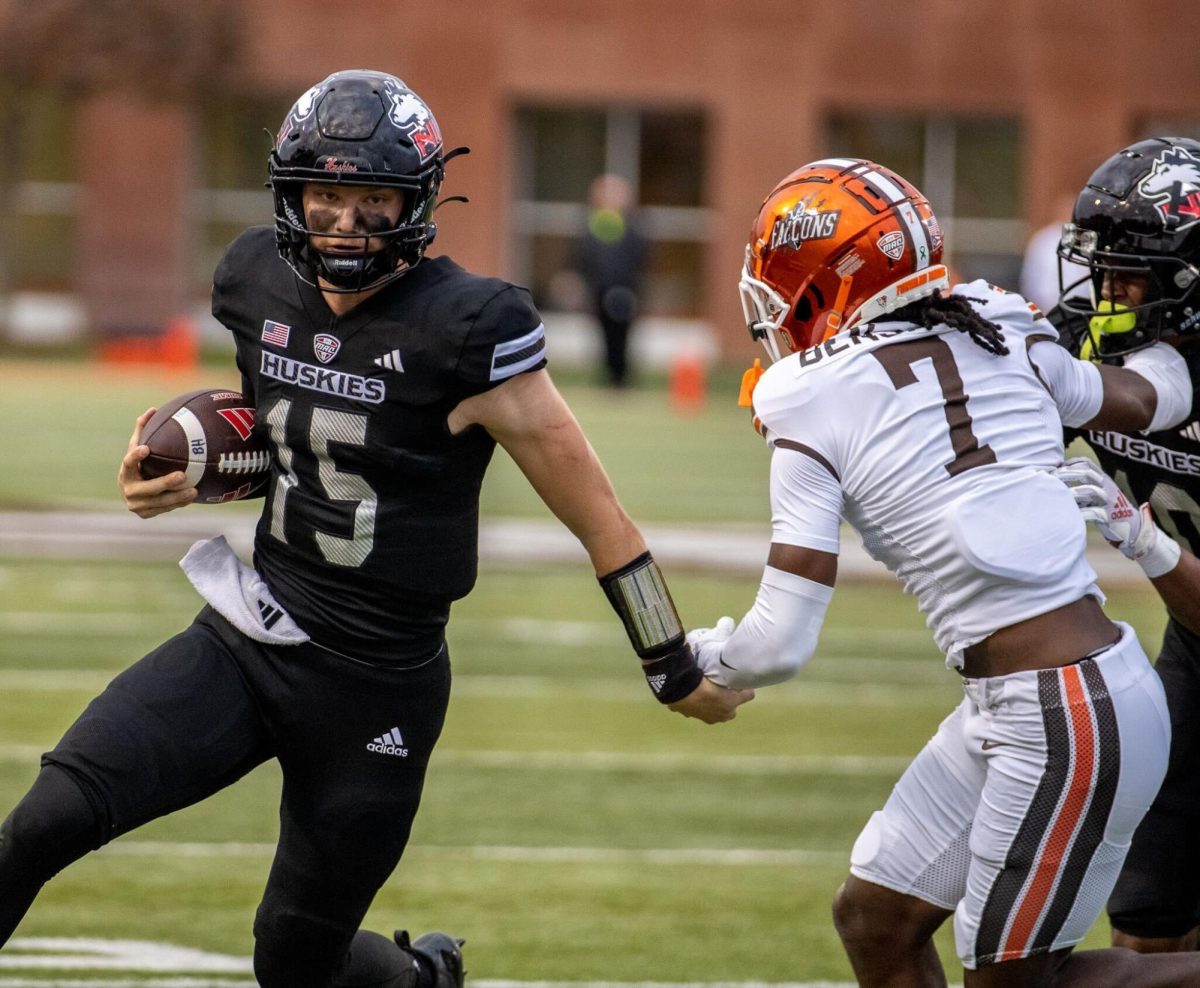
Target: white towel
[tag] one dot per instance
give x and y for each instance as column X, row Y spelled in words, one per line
column 237, row 592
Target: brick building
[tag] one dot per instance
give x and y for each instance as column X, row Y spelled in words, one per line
column 993, row 107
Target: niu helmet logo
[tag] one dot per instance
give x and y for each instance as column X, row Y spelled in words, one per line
column 1174, row 186
column 409, row 113
column 308, row 102
column 301, row 111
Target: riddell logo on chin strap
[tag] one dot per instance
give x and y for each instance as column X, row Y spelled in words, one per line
column 390, row 744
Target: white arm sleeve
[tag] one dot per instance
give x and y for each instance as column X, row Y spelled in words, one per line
column 1165, row 367
column 777, row 635
column 1075, row 385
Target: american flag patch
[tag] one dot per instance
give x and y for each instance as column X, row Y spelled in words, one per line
column 275, row 333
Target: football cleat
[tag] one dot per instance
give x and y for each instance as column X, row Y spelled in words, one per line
column 440, row 954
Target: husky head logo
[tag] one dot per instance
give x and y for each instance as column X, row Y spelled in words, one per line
column 300, row 112
column 1173, row 184
column 307, row 103
column 410, row 114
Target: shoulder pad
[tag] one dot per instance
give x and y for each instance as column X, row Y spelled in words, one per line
column 779, row 401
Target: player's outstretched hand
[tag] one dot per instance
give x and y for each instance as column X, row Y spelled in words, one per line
column 711, row 703
column 147, row 498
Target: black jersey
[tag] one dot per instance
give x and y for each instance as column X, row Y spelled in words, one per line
column 370, row 525
column 1162, row 468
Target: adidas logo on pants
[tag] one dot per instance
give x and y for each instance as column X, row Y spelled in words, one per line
column 390, row 744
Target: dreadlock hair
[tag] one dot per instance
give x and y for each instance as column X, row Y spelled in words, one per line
column 956, row 312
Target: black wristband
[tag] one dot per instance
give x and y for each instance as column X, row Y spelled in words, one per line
column 641, row 599
column 674, row 675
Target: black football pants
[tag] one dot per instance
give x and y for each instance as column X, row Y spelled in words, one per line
column 199, row 712
column 1158, row 892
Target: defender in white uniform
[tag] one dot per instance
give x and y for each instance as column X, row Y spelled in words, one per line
column 932, row 423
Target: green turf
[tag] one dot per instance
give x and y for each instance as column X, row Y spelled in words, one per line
column 68, row 425
column 552, row 742
column 562, row 801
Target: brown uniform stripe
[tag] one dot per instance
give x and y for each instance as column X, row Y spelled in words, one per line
column 810, row 452
column 1091, row 832
column 1023, row 854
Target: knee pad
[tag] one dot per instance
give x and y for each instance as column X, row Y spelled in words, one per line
column 55, row 824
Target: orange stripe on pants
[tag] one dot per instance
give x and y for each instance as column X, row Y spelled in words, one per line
column 1054, row 850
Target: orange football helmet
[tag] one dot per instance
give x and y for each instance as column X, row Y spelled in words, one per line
column 838, row 242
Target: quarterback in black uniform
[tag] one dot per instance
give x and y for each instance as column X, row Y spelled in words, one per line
column 1136, row 226
column 383, row 381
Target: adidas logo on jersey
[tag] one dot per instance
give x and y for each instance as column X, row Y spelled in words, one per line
column 390, row 744
column 1192, row 432
column 390, row 361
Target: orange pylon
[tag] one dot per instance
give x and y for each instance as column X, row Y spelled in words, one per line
column 688, row 383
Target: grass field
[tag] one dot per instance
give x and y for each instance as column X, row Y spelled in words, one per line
column 572, row 830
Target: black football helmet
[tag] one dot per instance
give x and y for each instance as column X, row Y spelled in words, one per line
column 358, row 128
column 1137, row 217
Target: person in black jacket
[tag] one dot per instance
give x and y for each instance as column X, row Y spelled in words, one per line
column 611, row 261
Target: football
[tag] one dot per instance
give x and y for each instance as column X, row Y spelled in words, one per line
column 209, row 435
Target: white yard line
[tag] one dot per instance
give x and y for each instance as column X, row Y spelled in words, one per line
column 732, row 857
column 140, row 983
column 500, row 983
column 623, row 761
column 90, row 954
column 85, row 954
column 474, row 982
column 81, row 955
column 872, row 690
column 626, row 761
column 532, row 631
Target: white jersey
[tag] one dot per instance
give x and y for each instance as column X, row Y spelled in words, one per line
column 939, row 454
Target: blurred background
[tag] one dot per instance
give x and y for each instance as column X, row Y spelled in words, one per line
column 571, row 829
column 136, row 133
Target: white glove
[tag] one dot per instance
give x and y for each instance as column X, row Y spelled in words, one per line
column 1101, row 501
column 1130, row 529
column 708, row 644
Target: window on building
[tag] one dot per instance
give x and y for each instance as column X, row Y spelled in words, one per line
column 969, row 167
column 235, row 139
column 661, row 152
column 39, row 129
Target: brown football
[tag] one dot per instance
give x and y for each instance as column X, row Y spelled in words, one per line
column 209, row 435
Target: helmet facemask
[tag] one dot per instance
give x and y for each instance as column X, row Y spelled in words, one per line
column 1167, row 306
column 765, row 311
column 1136, row 220
column 353, row 271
